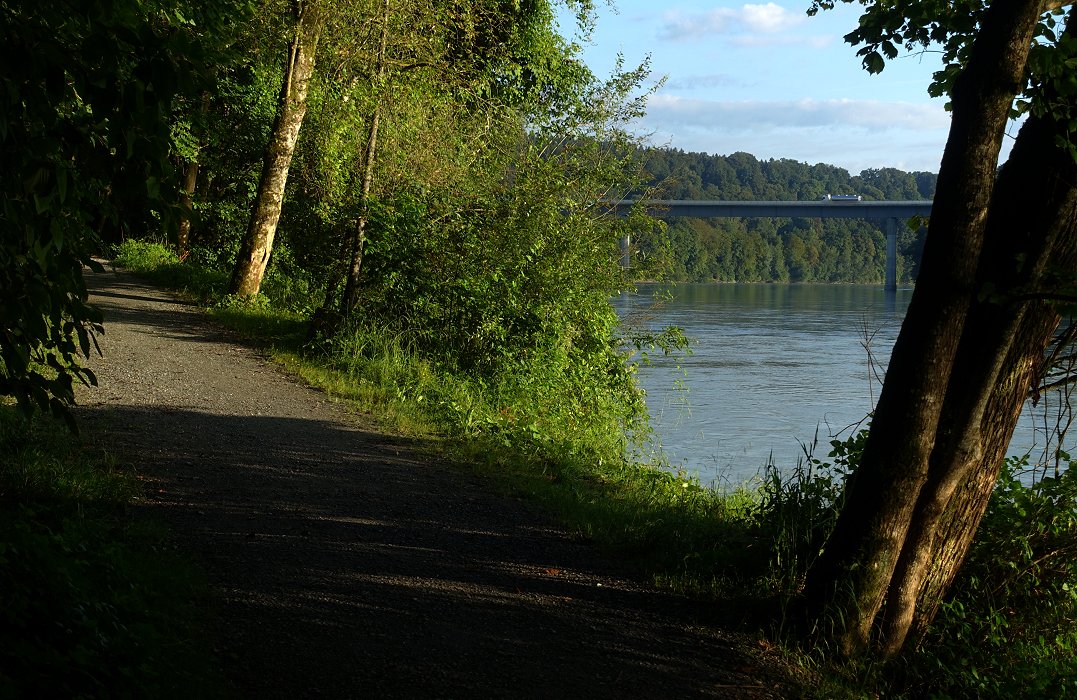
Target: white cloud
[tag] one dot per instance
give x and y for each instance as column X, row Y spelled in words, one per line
column 768, row 19
column 854, row 134
column 752, row 114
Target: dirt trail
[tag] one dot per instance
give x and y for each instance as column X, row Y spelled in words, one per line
column 349, row 564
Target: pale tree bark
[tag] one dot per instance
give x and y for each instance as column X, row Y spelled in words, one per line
column 850, row 583
column 257, row 243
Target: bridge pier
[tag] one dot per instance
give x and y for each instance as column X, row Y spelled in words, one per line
column 626, row 251
column 891, row 228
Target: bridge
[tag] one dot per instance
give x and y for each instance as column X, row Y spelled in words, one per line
column 890, row 213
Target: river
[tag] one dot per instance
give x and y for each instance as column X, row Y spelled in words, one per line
column 771, row 366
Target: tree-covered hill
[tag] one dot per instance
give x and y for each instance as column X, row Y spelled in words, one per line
column 777, row 250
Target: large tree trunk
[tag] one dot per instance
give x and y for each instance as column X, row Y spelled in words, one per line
column 847, row 588
column 999, row 360
column 257, row 244
column 1028, row 250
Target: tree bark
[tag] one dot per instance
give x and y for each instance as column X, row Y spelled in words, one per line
column 187, row 188
column 847, row 588
column 257, row 243
column 183, row 231
column 355, row 266
column 1028, row 250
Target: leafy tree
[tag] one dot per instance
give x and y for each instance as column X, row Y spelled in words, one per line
column 973, row 341
column 257, row 244
column 85, row 117
column 741, row 176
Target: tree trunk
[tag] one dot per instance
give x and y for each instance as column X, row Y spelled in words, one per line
column 351, row 285
column 355, row 266
column 257, row 244
column 847, row 588
column 183, row 232
column 1028, row 250
column 187, row 188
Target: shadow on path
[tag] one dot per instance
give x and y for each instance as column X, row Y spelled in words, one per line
column 352, row 564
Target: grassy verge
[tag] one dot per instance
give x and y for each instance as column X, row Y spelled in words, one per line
column 685, row 536
column 92, row 604
column 1008, row 626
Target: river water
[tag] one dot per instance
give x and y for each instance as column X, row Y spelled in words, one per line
column 771, row 367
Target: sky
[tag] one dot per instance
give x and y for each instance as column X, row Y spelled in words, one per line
column 767, row 79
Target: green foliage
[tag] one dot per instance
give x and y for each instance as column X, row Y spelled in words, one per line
column 231, row 126
column 143, row 257
column 505, row 283
column 1009, row 625
column 776, row 250
column 85, row 131
column 798, row 508
column 1052, row 62
column 90, row 604
column 950, row 28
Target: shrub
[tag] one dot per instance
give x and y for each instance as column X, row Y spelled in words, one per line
column 1009, row 626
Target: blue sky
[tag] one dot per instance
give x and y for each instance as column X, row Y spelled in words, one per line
column 765, row 78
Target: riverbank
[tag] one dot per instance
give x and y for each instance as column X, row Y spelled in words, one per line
column 350, row 562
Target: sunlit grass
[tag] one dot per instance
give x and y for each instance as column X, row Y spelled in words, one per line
column 526, row 435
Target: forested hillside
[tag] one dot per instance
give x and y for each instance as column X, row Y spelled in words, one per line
column 778, row 250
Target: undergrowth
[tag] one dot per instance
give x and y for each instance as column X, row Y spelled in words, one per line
column 92, row 604
column 1009, row 626
column 536, row 429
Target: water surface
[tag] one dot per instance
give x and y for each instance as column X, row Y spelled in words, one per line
column 772, row 366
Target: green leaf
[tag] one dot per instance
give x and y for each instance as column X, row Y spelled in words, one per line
column 42, row 203
column 873, row 62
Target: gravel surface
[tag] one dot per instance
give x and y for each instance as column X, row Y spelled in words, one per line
column 347, row 563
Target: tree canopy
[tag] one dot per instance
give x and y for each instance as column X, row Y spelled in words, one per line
column 775, row 250
column 458, row 151
column 86, row 136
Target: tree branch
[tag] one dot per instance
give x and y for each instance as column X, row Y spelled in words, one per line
column 1052, row 5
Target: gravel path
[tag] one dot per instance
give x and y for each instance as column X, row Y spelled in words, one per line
column 352, row 564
